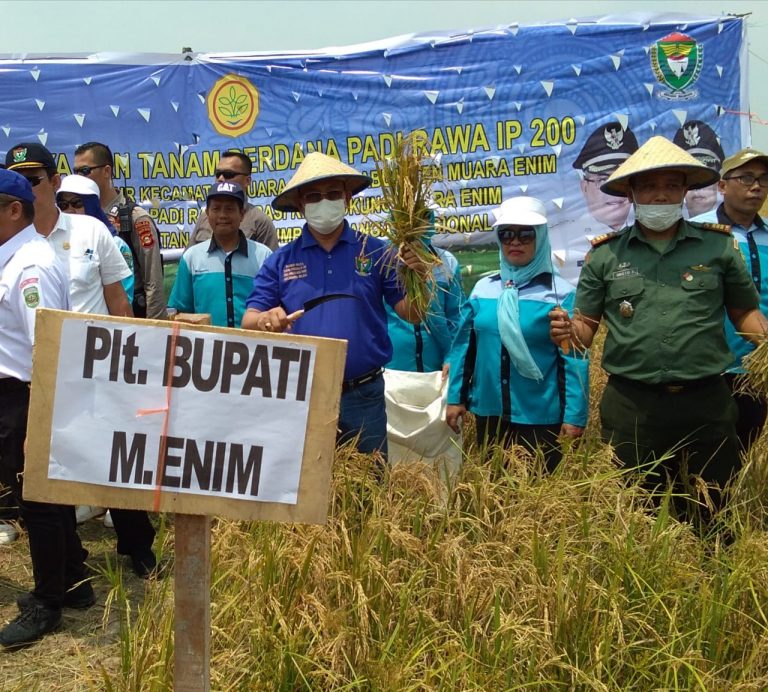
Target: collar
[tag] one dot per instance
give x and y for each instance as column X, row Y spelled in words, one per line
column 722, row 217
column 545, row 279
column 117, row 200
column 308, row 240
column 9, row 248
column 242, row 245
column 685, row 230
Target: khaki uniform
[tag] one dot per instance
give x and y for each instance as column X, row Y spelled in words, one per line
column 256, row 225
column 148, row 271
column 665, row 348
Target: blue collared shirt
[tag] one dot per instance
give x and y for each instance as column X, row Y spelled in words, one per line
column 210, row 280
column 358, row 264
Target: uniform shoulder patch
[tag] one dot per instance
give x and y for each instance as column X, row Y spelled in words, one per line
column 717, row 227
column 144, row 230
column 598, row 240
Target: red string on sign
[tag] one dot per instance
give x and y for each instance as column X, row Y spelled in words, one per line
column 166, row 410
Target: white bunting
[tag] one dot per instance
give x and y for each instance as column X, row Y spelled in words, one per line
column 653, row 126
column 623, row 119
column 520, row 147
column 557, row 148
column 87, row 80
column 144, row 113
column 616, row 59
column 719, row 110
column 523, row 188
column 35, row 73
column 581, row 119
column 296, row 96
column 7, row 130
column 387, row 79
column 460, row 105
column 458, row 69
column 514, row 28
column 354, row 95
column 175, row 106
column 649, row 87
column 646, row 26
column 518, row 105
column 558, row 202
column 432, row 95
column 40, row 104
column 201, row 96
column 43, row 137
column 155, row 79
column 572, row 24
column 719, row 27
column 387, row 118
column 547, row 86
column 115, row 110
column 577, row 69
column 269, row 131
column 681, row 116
column 647, row 49
column 517, row 68
column 489, row 91
column 683, row 27
column 269, row 68
column 719, row 69
column 80, row 118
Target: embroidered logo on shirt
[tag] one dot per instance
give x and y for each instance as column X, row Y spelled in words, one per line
column 31, row 296
column 29, row 281
column 363, row 265
column 144, row 229
column 294, row 270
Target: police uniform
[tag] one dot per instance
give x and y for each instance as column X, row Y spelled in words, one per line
column 144, row 240
column 256, row 225
column 753, row 243
column 32, row 277
column 483, row 379
column 360, row 265
column 211, row 280
column 665, row 346
column 424, row 347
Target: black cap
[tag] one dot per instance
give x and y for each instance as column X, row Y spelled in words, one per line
column 606, row 149
column 29, row 155
column 700, row 141
column 226, row 188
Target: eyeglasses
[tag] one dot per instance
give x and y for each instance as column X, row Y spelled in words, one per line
column 525, row 235
column 34, row 180
column 315, row 197
column 227, row 175
column 73, row 202
column 87, row 170
column 748, row 180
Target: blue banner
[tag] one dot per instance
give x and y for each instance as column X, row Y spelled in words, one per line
column 545, row 110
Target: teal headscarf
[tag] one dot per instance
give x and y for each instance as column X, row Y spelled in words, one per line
column 520, row 211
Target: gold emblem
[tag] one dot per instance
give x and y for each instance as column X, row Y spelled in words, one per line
column 626, row 309
column 65, row 245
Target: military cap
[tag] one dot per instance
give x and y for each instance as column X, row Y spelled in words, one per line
column 606, row 149
column 700, row 141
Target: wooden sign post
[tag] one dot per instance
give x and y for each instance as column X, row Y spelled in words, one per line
column 194, row 420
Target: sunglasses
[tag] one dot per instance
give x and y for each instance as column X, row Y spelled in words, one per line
column 87, row 170
column 524, row 235
column 227, row 175
column 72, row 202
column 34, row 180
column 315, row 197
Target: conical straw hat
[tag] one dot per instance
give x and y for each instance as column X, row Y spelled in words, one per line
column 314, row 167
column 659, row 154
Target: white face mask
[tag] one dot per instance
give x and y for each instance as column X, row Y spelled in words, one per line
column 326, row 215
column 658, row 217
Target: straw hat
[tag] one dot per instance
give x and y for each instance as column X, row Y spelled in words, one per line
column 314, row 167
column 659, row 154
column 520, row 211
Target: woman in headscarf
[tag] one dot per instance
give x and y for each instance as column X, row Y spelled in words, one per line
column 503, row 366
column 80, row 195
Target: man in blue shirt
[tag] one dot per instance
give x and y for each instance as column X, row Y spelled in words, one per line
column 216, row 276
column 330, row 258
column 744, row 187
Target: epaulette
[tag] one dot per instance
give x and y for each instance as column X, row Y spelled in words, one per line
column 717, row 227
column 604, row 238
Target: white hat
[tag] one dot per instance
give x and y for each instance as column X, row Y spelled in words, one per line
column 78, row 185
column 520, row 211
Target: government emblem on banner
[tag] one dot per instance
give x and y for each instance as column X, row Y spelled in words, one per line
column 676, row 60
column 233, row 105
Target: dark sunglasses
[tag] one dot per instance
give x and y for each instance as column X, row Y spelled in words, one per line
column 315, row 197
column 525, row 235
column 227, row 175
column 87, row 170
column 74, row 203
column 34, row 180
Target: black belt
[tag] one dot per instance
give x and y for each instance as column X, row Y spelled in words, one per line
column 363, row 379
column 667, row 387
column 11, row 384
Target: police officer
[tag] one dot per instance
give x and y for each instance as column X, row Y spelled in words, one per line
column 32, row 277
column 700, row 141
column 329, row 257
column 744, row 187
column 663, row 286
column 605, row 149
column 236, row 167
column 135, row 226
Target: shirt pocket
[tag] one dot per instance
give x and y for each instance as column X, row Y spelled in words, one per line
column 630, row 289
column 84, row 271
column 701, row 282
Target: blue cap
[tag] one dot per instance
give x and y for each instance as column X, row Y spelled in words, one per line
column 15, row 185
column 226, row 188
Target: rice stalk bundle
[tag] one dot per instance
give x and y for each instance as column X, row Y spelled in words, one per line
column 406, row 179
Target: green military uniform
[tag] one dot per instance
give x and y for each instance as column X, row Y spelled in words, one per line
column 665, row 348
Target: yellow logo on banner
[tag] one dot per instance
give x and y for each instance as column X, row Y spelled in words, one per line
column 233, row 105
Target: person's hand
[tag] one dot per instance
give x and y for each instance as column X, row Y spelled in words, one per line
column 453, row 416
column 560, row 327
column 446, row 370
column 411, row 259
column 275, row 320
column 570, row 432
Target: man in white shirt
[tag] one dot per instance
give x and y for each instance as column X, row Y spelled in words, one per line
column 30, row 277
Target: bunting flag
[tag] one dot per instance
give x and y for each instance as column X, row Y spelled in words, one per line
column 548, row 109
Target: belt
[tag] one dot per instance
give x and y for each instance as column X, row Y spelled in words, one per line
column 667, row 387
column 365, row 378
column 11, row 384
